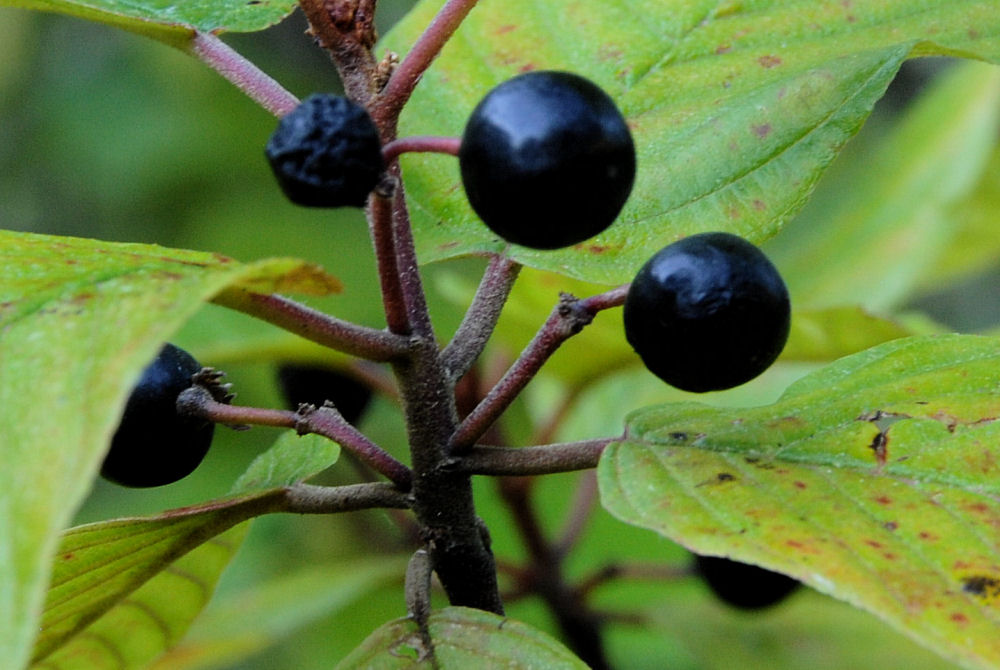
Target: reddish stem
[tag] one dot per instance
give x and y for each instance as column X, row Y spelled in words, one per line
column 420, row 144
column 406, row 76
column 567, row 319
column 243, row 74
column 380, row 229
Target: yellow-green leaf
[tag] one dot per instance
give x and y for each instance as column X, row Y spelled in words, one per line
column 79, row 320
column 173, row 23
column 875, row 235
column 736, row 107
column 462, row 638
column 875, row 479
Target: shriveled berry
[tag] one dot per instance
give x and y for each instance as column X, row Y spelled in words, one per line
column 326, row 153
column 314, row 385
column 154, row 445
column 707, row 313
column 743, row 585
column 547, row 160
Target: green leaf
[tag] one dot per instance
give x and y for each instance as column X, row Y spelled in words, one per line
column 79, row 320
column 824, row 335
column 233, row 629
column 736, row 107
column 153, row 576
column 292, row 459
column 172, row 22
column 872, row 240
column 975, row 246
column 462, row 638
column 100, row 566
column 875, row 480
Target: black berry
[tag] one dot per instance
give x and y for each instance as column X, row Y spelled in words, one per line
column 743, row 585
column 707, row 313
column 313, row 385
column 547, row 160
column 326, row 153
column 154, row 445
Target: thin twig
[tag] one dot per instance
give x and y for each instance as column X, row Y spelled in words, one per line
column 346, row 29
column 243, row 74
column 380, row 213
column 567, row 319
column 420, row 144
column 580, row 512
column 197, row 401
column 310, row 499
column 406, row 265
column 327, row 421
column 406, row 76
column 313, row 325
column 481, row 317
column 525, row 461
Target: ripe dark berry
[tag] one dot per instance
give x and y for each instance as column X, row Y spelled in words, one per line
column 326, row 153
column 154, row 445
column 547, row 160
column 743, row 585
column 707, row 313
column 314, row 385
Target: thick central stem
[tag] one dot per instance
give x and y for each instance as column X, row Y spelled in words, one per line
column 457, row 540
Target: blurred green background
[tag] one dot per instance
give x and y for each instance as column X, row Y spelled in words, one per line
column 105, row 134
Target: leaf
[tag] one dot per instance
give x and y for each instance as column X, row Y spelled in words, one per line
column 878, row 233
column 106, row 571
column 824, row 335
column 874, row 480
column 462, row 638
column 233, row 629
column 173, row 23
column 100, row 565
column 975, row 246
column 736, row 107
column 292, row 459
column 79, row 320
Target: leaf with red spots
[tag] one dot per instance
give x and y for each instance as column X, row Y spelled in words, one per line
column 460, row 638
column 152, row 576
column 737, row 108
column 79, row 320
column 875, row 480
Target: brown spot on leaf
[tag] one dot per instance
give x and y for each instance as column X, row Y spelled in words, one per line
column 890, row 525
column 960, row 618
column 504, row 29
column 874, row 543
column 734, row 213
column 725, row 477
column 924, row 535
column 527, row 67
column 800, row 485
column 973, row 34
column 982, row 586
column 722, row 49
column 762, row 130
column 883, row 500
column 768, row 61
column 759, row 205
column 880, row 445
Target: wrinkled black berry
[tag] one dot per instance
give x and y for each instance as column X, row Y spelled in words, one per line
column 707, row 313
column 547, row 160
column 154, row 445
column 743, row 585
column 326, row 153
column 313, row 385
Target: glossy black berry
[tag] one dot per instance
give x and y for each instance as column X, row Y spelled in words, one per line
column 743, row 585
column 313, row 385
column 154, row 445
column 547, row 160
column 326, row 153
column 707, row 313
